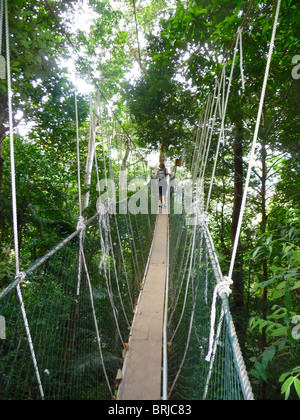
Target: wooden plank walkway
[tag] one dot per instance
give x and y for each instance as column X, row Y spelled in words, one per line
column 142, row 371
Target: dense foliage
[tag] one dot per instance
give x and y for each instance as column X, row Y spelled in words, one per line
column 180, row 52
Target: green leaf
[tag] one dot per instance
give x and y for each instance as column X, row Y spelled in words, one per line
column 297, row 386
column 255, row 253
column 284, row 376
column 262, row 325
column 282, row 343
column 276, row 294
column 261, row 372
column 280, row 331
column 281, row 285
column 296, row 285
column 269, row 355
column 286, row 387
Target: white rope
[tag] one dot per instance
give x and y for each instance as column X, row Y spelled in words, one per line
column 252, row 154
column 206, row 278
column 187, row 259
column 203, row 137
column 14, row 202
column 103, row 227
column 117, row 279
column 134, row 251
column 240, row 35
column 124, row 264
column 103, row 207
column 188, row 339
column 1, row 24
column 104, row 267
column 11, row 135
column 207, row 137
column 30, row 342
column 222, row 129
column 82, row 227
column 198, row 143
column 81, row 224
column 192, row 255
column 95, row 320
column 78, row 156
column 220, row 289
column 221, row 87
column 214, row 352
column 213, row 116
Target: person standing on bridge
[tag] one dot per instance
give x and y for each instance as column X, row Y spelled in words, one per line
column 161, row 175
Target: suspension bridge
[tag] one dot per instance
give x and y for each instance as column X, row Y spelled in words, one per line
column 132, row 305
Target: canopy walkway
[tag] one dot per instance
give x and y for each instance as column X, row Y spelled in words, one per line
column 133, row 304
column 143, row 365
column 67, row 324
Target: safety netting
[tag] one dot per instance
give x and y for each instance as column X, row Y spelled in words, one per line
column 68, row 316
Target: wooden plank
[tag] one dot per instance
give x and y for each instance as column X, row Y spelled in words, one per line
column 142, row 368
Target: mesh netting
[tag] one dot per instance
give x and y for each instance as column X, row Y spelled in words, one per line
column 194, row 273
column 59, row 309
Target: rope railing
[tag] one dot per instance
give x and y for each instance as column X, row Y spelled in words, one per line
column 75, row 330
column 203, row 342
column 194, row 276
column 68, row 316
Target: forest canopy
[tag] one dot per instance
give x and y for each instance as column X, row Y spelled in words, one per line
column 154, row 62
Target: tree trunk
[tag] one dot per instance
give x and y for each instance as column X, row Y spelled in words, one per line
column 263, row 229
column 238, row 286
column 162, row 154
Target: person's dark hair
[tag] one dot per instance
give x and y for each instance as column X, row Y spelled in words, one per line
column 162, row 166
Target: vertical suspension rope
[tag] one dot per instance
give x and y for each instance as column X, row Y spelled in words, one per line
column 95, row 319
column 81, row 219
column 255, row 138
column 14, row 199
column 78, row 154
column 221, row 135
column 240, row 35
column 11, row 136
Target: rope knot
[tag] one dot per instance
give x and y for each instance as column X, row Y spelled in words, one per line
column 21, row 277
column 105, row 206
column 221, row 288
column 224, row 286
column 81, row 225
